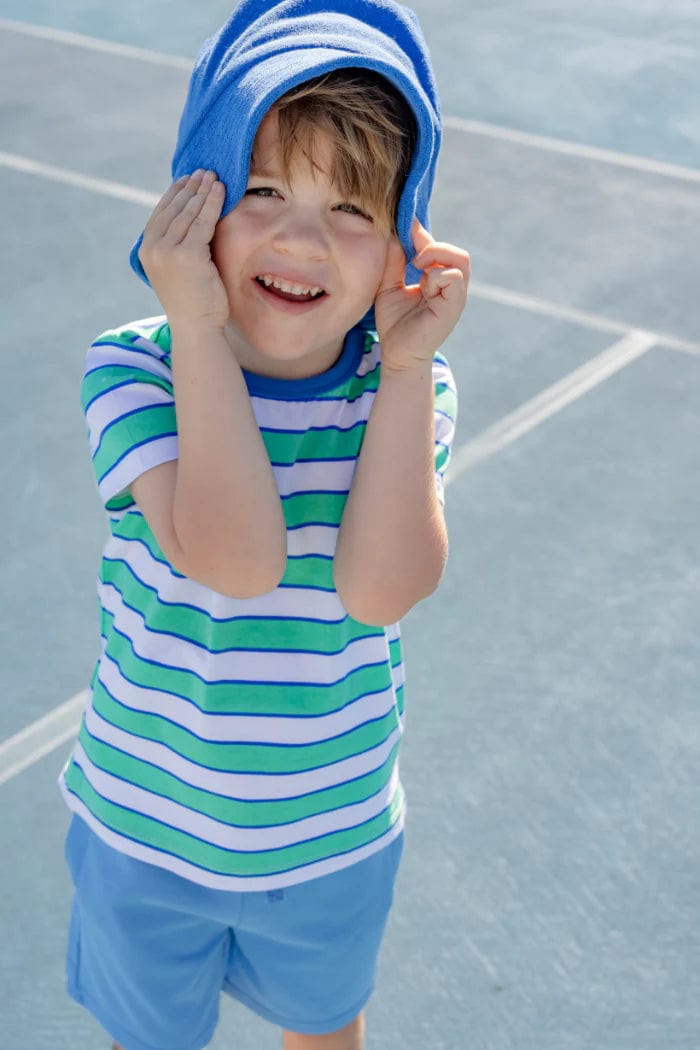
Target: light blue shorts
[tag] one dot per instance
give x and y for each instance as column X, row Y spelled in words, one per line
column 149, row 952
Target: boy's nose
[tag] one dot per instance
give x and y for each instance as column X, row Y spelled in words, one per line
column 303, row 236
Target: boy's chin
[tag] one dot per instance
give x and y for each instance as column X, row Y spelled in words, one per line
column 266, row 360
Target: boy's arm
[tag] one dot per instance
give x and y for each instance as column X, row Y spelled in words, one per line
column 216, row 511
column 392, row 544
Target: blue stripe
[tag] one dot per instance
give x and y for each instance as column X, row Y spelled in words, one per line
column 316, row 492
column 315, row 459
column 313, row 430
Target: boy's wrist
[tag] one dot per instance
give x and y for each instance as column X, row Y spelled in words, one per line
column 195, row 330
column 406, row 370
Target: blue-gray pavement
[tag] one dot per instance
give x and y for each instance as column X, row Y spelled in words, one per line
column 552, row 903
column 622, row 76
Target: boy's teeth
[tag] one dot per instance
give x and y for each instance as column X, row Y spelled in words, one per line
column 287, row 286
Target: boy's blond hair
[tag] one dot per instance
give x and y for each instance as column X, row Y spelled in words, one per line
column 371, row 130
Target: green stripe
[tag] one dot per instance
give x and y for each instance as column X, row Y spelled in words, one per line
column 120, row 502
column 442, row 458
column 245, row 814
column 446, row 400
column 307, row 508
column 229, row 862
column 287, row 447
column 245, row 698
column 249, row 757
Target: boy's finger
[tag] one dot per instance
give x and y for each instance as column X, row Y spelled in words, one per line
column 447, row 284
column 180, row 224
column 421, row 237
column 204, row 224
column 442, row 254
column 173, row 201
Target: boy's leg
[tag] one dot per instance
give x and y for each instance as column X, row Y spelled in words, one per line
column 349, row 1038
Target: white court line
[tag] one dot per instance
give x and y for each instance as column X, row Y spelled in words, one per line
column 470, row 127
column 93, row 43
column 74, row 178
column 574, row 149
column 491, row 292
column 548, row 402
column 530, row 303
column 41, row 737
column 61, row 724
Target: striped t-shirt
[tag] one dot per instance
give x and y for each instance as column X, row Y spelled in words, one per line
column 245, row 744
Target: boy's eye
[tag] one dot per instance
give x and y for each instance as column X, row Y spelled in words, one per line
column 352, row 209
column 261, row 191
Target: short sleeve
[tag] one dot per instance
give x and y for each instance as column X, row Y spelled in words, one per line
column 445, row 414
column 127, row 398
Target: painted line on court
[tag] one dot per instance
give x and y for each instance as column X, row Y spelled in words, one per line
column 93, row 43
column 573, row 149
column 489, row 292
column 471, row 127
column 61, row 724
column 74, row 178
column 549, row 402
column 25, row 748
column 520, row 301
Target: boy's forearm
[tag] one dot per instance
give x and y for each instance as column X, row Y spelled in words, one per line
column 392, row 544
column 227, row 512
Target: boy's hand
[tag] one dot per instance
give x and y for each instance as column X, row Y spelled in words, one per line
column 176, row 256
column 413, row 321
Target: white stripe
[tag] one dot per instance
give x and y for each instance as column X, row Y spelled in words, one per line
column 248, row 666
column 312, row 539
column 321, row 412
column 91, row 43
column 229, row 836
column 137, row 462
column 108, row 355
column 648, row 165
column 228, row 882
column 550, row 401
column 244, row 786
column 331, row 476
column 250, row 728
column 104, row 187
column 25, row 748
column 471, row 127
column 520, row 301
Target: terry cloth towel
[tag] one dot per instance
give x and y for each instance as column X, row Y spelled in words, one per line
column 264, row 49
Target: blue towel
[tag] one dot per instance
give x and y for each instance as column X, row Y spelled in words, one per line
column 264, row 49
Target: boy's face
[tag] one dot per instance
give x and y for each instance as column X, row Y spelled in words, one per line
column 300, row 264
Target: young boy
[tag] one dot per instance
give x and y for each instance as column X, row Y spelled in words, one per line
column 272, row 472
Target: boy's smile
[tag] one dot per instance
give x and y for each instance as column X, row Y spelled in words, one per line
column 301, row 265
